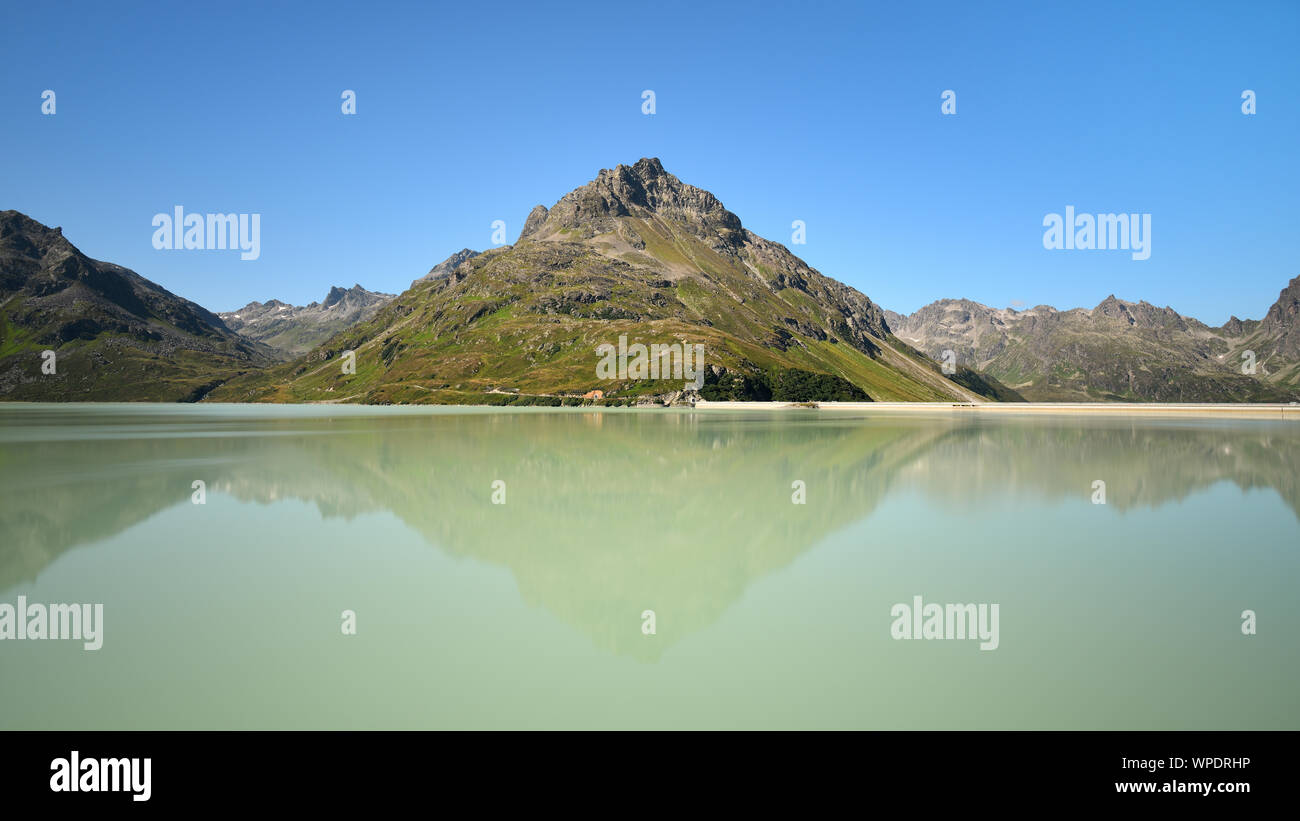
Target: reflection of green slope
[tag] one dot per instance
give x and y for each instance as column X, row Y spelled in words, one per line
column 608, row 513
column 57, row 495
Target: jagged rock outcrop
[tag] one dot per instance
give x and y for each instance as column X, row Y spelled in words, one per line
column 448, row 265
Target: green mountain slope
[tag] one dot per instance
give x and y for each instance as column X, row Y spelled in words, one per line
column 635, row 253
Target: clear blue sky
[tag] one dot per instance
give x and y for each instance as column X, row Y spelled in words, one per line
column 828, row 113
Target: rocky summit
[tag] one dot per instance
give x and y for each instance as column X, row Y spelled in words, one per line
column 635, row 254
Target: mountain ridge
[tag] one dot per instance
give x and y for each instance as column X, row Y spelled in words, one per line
column 635, row 252
column 1117, row 349
column 292, row 330
column 114, row 334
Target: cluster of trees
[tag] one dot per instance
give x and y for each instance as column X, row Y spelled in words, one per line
column 788, row 385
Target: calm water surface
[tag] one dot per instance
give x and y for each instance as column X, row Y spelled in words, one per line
column 529, row 613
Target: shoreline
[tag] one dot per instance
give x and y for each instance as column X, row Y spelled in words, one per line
column 1187, row 409
column 1276, row 410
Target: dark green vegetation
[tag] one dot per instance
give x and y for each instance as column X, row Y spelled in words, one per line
column 789, row 385
column 1117, row 351
column 116, row 336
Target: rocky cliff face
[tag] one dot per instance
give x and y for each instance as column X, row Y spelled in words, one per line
column 1275, row 339
column 1281, row 325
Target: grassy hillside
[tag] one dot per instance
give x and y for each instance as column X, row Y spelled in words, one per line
column 635, row 253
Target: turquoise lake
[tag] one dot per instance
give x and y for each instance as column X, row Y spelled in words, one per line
column 531, row 613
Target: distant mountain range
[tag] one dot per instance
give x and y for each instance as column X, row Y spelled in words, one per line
column 634, row 254
column 1117, row 351
column 292, row 330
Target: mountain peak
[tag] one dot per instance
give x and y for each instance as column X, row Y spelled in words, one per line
column 356, row 295
column 19, row 230
column 454, row 261
column 646, row 171
column 649, row 166
column 1287, row 301
column 536, row 217
column 1283, row 319
column 643, row 190
column 12, row 220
